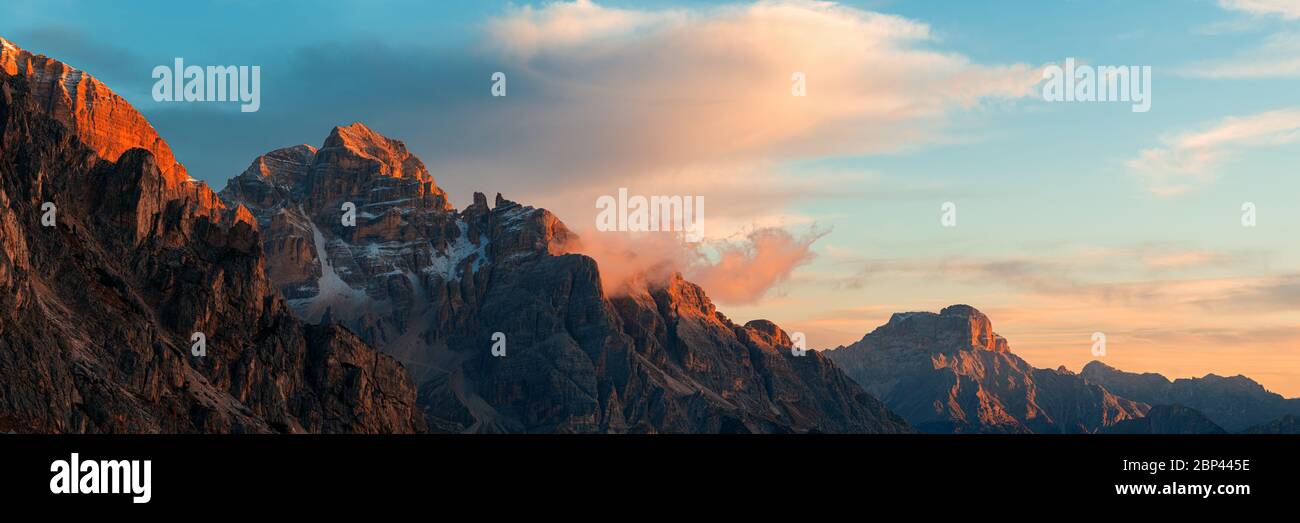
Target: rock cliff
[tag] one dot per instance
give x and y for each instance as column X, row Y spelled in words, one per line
column 102, row 311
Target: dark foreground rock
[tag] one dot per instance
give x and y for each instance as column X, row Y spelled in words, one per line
column 99, row 312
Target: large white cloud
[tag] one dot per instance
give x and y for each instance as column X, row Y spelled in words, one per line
column 699, row 101
column 645, row 90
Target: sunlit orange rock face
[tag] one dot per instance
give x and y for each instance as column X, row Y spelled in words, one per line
column 100, row 118
column 109, row 125
column 357, row 148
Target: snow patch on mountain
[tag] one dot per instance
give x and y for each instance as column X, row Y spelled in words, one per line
column 447, row 263
column 334, row 295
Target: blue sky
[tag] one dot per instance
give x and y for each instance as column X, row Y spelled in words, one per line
column 1166, row 34
column 1060, row 233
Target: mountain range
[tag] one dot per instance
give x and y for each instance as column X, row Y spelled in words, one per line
column 431, row 285
column 101, row 309
column 338, row 289
column 950, row 373
column 1235, row 403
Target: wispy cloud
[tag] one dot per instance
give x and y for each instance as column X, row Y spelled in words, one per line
column 1093, row 275
column 1183, row 259
column 1190, row 160
column 559, row 27
column 684, row 87
column 1289, row 9
column 1277, row 57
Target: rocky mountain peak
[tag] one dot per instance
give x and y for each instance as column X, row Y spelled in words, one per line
column 405, row 239
column 357, row 164
column 285, row 166
column 390, row 157
column 949, row 372
column 359, row 136
column 769, row 332
column 1096, row 366
column 956, row 327
column 685, row 297
column 480, row 204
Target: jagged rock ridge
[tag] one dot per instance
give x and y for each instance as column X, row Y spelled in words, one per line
column 431, row 285
column 1234, row 403
column 97, row 312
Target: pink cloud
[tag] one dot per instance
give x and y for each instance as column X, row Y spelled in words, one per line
column 745, row 271
column 731, row 271
column 658, row 100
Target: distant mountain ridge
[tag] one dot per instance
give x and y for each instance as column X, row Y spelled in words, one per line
column 949, row 372
column 1288, row 424
column 1235, row 403
column 1167, row 419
